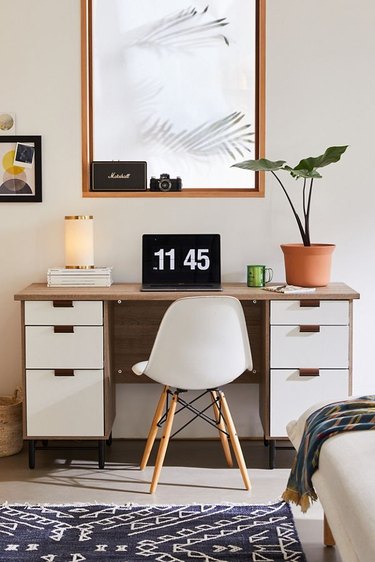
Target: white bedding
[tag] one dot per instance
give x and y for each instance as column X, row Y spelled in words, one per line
column 345, row 484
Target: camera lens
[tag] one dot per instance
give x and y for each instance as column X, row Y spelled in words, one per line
column 165, row 185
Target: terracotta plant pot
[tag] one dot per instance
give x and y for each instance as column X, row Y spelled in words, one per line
column 308, row 266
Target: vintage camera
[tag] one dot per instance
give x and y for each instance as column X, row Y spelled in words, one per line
column 165, row 183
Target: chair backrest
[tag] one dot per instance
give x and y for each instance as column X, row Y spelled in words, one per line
column 202, row 342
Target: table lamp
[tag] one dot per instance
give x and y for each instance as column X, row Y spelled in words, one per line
column 79, row 242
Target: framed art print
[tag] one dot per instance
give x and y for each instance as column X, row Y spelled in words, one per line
column 20, row 169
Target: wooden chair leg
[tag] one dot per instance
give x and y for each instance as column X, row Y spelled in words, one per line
column 163, row 443
column 328, row 537
column 154, row 428
column 235, row 441
column 221, row 427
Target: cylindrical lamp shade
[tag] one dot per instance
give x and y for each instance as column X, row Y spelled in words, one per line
column 79, row 242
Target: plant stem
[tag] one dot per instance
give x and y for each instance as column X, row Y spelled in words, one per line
column 307, row 216
column 305, row 213
column 304, row 198
column 305, row 240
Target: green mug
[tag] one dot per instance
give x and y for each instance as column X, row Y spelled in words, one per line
column 258, row 275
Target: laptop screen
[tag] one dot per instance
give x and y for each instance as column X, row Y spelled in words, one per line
column 181, row 259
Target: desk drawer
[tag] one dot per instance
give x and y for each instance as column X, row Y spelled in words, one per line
column 79, row 348
column 296, row 312
column 326, row 348
column 87, row 313
column 291, row 394
column 64, row 406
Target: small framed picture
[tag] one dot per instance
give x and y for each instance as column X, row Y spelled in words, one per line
column 20, row 169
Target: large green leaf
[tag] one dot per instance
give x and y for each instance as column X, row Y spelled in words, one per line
column 261, row 165
column 302, row 173
column 306, row 168
column 331, row 155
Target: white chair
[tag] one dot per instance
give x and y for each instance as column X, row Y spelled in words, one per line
column 202, row 344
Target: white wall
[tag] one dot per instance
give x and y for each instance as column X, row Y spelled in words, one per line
column 320, row 92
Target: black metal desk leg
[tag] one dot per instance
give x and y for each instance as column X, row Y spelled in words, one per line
column 31, row 453
column 101, row 453
column 272, row 453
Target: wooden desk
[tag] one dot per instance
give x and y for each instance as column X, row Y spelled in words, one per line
column 129, row 322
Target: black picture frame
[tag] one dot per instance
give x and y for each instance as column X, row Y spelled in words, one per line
column 20, row 183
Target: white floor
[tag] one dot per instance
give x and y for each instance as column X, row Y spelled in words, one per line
column 57, row 480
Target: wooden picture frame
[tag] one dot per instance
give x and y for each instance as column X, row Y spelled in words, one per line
column 21, row 169
column 89, row 123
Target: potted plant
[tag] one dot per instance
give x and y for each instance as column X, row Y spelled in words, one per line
column 306, row 264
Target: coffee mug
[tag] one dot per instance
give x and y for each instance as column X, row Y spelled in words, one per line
column 258, row 275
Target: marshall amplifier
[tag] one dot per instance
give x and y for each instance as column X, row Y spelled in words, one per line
column 118, row 176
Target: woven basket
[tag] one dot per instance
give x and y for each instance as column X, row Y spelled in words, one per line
column 11, row 424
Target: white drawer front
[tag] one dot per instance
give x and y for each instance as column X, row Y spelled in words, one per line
column 328, row 312
column 328, row 348
column 64, row 406
column 291, row 394
column 41, row 313
column 81, row 349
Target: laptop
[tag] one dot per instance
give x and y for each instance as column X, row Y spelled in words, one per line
column 181, row 262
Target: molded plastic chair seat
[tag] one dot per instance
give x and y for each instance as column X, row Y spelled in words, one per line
column 202, row 344
column 139, row 368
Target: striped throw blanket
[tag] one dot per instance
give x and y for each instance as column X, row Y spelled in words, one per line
column 350, row 415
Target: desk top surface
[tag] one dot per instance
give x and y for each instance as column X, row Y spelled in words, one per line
column 131, row 291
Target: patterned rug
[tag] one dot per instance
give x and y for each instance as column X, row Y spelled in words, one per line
column 128, row 533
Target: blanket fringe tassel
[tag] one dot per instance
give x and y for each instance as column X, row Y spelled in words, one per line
column 304, row 501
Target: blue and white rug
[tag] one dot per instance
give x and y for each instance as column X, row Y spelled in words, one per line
column 128, row 533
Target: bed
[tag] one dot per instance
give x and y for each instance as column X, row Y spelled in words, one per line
column 345, row 485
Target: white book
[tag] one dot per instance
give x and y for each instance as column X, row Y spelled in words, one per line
column 80, row 272
column 80, row 284
column 79, row 281
column 80, row 277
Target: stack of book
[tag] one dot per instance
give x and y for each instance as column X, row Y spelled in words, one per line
column 95, row 277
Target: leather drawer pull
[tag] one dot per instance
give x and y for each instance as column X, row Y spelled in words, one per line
column 62, row 304
column 309, row 328
column 309, row 303
column 308, row 372
column 64, row 373
column 63, row 329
